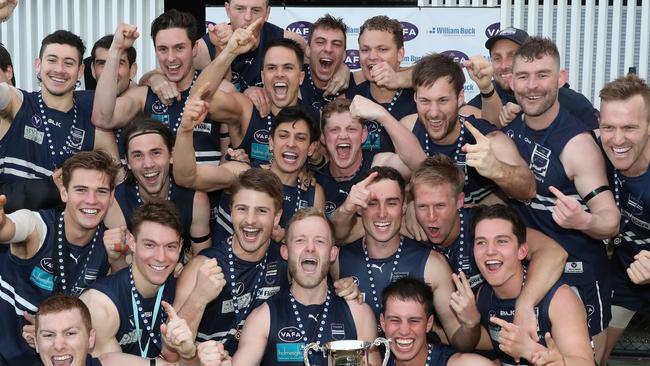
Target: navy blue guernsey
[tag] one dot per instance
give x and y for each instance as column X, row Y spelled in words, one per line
column 40, row 139
column 286, row 342
column 337, row 191
column 460, row 254
column 26, row 283
column 632, row 198
column 490, row 305
column 293, row 199
column 117, row 287
column 402, row 105
column 438, row 355
column 246, row 68
column 253, row 286
column 207, row 145
column 542, row 149
column 409, row 261
column 313, row 96
column 129, row 199
column 576, row 103
column 477, row 186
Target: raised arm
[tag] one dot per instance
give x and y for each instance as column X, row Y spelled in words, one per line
column 480, row 71
column 456, row 309
column 406, row 144
column 109, row 111
column 230, row 108
column 23, row 229
column 546, row 265
column 105, row 319
column 345, row 217
column 584, row 162
column 496, row 157
column 10, row 101
column 254, row 337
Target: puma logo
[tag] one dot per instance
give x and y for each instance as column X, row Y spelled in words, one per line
column 312, row 316
column 250, row 62
column 75, row 259
column 380, row 268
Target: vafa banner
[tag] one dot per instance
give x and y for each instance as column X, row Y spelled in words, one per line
column 459, row 32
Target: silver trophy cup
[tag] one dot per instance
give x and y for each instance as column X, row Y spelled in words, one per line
column 348, row 352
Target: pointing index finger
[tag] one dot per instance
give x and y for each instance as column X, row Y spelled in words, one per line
column 475, row 132
column 556, row 192
column 171, row 312
column 255, row 26
column 364, row 183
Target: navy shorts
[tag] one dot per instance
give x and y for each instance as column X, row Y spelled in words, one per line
column 626, row 293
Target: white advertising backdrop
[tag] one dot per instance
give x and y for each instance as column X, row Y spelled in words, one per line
column 460, row 32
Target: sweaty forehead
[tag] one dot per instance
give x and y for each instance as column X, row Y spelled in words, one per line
column 61, row 51
column 280, row 56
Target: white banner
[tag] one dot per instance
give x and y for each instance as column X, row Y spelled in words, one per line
column 459, row 32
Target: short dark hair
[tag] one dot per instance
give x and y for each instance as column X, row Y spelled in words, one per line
column 328, row 21
column 142, row 125
column 260, row 180
column 385, row 24
column 626, row 87
column 91, row 160
column 286, row 43
column 409, row 288
column 388, row 173
column 434, row 66
column 164, row 213
column 436, row 170
column 105, row 42
column 294, row 114
column 63, row 37
column 534, row 48
column 306, row 212
column 500, row 211
column 5, row 63
column 59, row 303
column 175, row 19
column 338, row 105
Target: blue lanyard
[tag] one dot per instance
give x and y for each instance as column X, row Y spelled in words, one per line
column 154, row 316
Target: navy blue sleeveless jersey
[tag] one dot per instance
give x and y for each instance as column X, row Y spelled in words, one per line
column 285, row 342
column 117, row 287
column 28, row 282
column 490, row 305
column 246, row 68
column 476, row 187
column 402, row 105
column 633, row 238
column 183, row 198
column 460, row 254
column 293, row 199
column 576, row 103
column 439, row 355
column 33, row 146
column 410, row 263
column 542, row 149
column 207, row 145
column 219, row 320
column 313, row 96
column 337, row 191
column 587, row 256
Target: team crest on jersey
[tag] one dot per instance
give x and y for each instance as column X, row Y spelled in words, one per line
column 36, row 121
column 338, row 331
column 239, row 288
column 303, row 204
column 159, row 107
column 539, row 161
column 75, row 138
column 271, row 272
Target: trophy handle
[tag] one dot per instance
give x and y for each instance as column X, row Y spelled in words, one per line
column 386, row 342
column 311, row 346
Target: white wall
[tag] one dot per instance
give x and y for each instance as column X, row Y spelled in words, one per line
column 90, row 19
